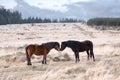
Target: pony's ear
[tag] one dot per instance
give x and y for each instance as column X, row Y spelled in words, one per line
column 64, row 43
column 43, row 44
column 56, row 43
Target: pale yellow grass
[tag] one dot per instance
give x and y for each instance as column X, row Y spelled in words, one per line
column 14, row 38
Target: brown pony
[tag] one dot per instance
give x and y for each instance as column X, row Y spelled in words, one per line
column 42, row 49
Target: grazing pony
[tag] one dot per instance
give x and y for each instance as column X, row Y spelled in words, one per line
column 42, row 49
column 77, row 47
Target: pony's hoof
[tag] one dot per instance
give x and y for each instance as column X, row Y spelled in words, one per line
column 42, row 62
column 76, row 62
column 29, row 64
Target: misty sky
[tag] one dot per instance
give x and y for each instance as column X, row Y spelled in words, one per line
column 85, row 8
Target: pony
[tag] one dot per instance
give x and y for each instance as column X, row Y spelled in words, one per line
column 42, row 49
column 77, row 47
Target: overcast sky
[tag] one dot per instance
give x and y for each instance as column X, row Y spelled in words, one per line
column 46, row 4
column 76, row 8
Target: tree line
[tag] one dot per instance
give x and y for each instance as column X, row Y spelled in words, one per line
column 104, row 22
column 15, row 17
column 8, row 17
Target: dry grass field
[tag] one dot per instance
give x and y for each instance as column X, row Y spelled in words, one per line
column 14, row 38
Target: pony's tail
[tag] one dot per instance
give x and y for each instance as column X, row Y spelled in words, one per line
column 92, row 53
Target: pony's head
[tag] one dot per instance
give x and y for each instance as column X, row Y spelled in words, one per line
column 63, row 46
column 57, row 46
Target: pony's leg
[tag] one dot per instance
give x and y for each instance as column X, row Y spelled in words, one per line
column 75, row 57
column 28, row 58
column 78, row 56
column 29, row 61
column 44, row 60
column 92, row 54
column 93, row 57
column 87, row 54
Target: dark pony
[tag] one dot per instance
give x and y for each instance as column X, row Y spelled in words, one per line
column 42, row 49
column 77, row 47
